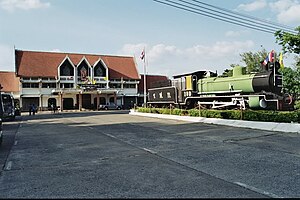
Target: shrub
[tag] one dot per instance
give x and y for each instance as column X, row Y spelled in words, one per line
column 297, row 105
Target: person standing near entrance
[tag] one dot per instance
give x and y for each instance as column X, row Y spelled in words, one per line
column 30, row 109
column 33, row 109
column 52, row 108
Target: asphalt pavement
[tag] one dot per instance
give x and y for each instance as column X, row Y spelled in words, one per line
column 266, row 126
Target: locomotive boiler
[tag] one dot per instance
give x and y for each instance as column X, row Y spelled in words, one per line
column 205, row 89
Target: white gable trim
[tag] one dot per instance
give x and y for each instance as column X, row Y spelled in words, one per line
column 103, row 63
column 82, row 59
column 66, row 58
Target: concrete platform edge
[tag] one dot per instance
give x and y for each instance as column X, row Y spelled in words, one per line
column 267, row 126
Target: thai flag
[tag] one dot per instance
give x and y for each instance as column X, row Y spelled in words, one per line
column 270, row 58
column 266, row 60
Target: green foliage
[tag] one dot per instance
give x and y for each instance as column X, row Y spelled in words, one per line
column 228, row 72
column 250, row 115
column 291, row 80
column 289, row 42
column 253, row 60
column 297, row 105
column 297, row 59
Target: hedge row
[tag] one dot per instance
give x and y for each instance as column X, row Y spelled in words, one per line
column 250, row 115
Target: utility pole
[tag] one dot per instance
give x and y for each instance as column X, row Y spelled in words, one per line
column 143, row 57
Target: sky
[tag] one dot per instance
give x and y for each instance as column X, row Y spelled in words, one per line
column 175, row 41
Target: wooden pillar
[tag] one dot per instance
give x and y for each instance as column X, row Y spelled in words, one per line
column 61, row 102
column 41, row 103
column 98, row 101
column 80, row 102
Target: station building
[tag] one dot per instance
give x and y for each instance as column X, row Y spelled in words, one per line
column 75, row 81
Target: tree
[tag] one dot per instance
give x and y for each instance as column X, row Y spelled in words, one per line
column 228, row 72
column 291, row 79
column 291, row 76
column 289, row 42
column 297, row 59
column 253, row 60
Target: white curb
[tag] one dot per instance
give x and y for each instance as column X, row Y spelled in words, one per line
column 268, row 126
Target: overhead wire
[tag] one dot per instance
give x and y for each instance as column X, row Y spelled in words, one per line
column 212, row 16
column 225, row 17
column 246, row 16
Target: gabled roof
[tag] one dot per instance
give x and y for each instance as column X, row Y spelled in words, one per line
column 45, row 64
column 9, row 81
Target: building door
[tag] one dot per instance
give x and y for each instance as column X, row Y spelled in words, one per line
column 102, row 101
column 51, row 101
column 86, row 101
column 129, row 102
column 95, row 102
column 68, row 103
column 29, row 101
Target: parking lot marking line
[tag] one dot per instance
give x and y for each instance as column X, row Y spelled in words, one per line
column 109, row 135
column 8, row 166
column 150, row 151
column 16, row 142
column 257, row 190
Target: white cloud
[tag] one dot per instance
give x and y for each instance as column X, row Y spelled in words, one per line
column 256, row 5
column 170, row 60
column 288, row 11
column 6, row 58
column 232, row 33
column 11, row 5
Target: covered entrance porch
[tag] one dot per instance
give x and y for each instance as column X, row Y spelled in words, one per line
column 85, row 100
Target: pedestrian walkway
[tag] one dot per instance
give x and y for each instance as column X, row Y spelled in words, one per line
column 267, row 126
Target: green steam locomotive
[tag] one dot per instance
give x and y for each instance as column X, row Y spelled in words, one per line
column 205, row 89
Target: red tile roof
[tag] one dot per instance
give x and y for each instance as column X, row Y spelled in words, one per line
column 45, row 64
column 9, row 81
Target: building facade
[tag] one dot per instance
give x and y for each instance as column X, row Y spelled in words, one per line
column 75, row 81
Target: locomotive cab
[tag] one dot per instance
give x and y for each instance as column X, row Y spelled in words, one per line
column 187, row 84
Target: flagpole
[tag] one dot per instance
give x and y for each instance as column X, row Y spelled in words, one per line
column 145, row 82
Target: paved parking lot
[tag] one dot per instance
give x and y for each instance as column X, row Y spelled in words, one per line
column 111, row 154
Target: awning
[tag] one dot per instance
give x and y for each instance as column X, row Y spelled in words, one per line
column 30, row 95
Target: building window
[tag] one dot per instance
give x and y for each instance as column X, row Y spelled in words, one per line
column 48, row 85
column 101, row 85
column 25, row 85
column 99, row 70
column 83, row 71
column 66, row 69
column 30, row 85
column 34, row 85
column 129, row 86
column 115, row 85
